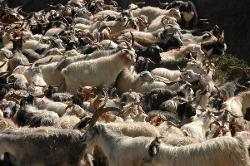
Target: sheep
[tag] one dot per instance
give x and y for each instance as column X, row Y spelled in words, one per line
column 44, row 146
column 127, row 80
column 238, row 104
column 218, row 151
column 89, row 70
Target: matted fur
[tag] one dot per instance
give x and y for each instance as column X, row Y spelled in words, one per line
column 96, row 72
column 221, row 151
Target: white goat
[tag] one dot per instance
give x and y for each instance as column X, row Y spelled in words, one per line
column 159, row 22
column 238, row 104
column 153, row 12
column 222, row 151
column 130, row 80
column 57, row 107
column 184, row 50
column 97, row 72
column 197, row 129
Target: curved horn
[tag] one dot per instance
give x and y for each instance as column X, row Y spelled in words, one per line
column 99, row 111
column 98, row 46
column 173, row 124
column 127, row 43
column 5, row 74
column 162, row 22
column 8, row 57
column 3, row 64
column 132, row 38
column 215, row 122
column 217, row 112
column 235, row 116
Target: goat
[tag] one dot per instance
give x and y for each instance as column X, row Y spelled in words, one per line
column 153, row 12
column 6, row 123
column 154, row 98
column 182, row 109
column 238, row 104
column 127, row 80
column 18, row 81
column 171, row 75
column 184, row 51
column 159, row 23
column 197, row 129
column 90, row 70
column 34, row 76
column 218, row 151
column 45, row 103
column 29, row 115
column 52, row 75
column 46, row 146
column 104, row 137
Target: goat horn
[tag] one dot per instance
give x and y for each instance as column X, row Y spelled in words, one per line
column 127, row 43
column 3, row 64
column 8, row 57
column 216, row 113
column 69, row 106
column 235, row 116
column 99, row 111
column 3, row 74
column 173, row 124
column 132, row 38
column 162, row 21
column 215, row 122
column 98, row 46
column 149, row 60
column 127, row 23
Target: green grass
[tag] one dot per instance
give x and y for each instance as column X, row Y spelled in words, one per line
column 229, row 67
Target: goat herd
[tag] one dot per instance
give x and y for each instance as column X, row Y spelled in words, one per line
column 91, row 84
